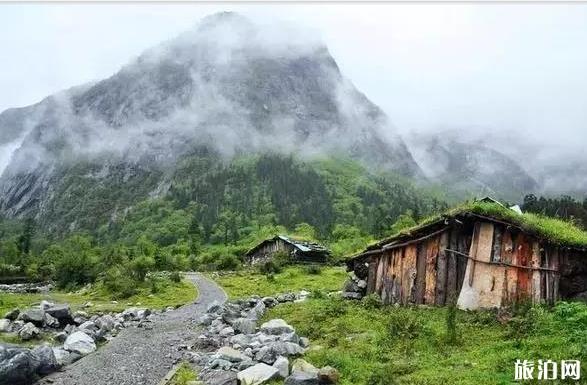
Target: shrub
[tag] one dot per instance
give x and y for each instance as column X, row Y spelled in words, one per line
column 269, row 267
column 228, row 262
column 140, row 266
column 383, row 375
column 118, row 283
column 175, row 277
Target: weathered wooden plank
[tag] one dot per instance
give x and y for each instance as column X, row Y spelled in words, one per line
column 497, row 237
column 441, row 271
column 483, row 286
column 536, row 273
column 451, row 268
column 430, row 279
column 511, row 275
column 464, row 243
column 555, row 265
column 420, row 273
column 409, row 274
column 523, row 258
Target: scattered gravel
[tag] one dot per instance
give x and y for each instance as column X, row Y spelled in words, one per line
column 139, row 356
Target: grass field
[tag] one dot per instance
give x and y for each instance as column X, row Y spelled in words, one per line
column 292, row 279
column 374, row 345
column 167, row 294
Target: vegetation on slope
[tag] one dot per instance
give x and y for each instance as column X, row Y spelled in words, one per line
column 375, row 345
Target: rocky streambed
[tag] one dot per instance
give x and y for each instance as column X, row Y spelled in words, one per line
column 64, row 337
column 236, row 348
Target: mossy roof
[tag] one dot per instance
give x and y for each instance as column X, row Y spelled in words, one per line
column 551, row 230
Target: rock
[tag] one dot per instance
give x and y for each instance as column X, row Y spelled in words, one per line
column 269, row 301
column 45, row 305
column 240, row 339
column 143, row 313
column 46, row 358
column 362, row 284
column 226, row 332
column 5, row 325
column 351, row 286
column 12, row 314
column 290, row 337
column 304, row 342
column 230, row 354
column 35, row 316
column 69, row 328
column 276, row 326
column 282, row 365
column 300, row 365
column 214, row 307
column 328, row 375
column 51, row 321
column 244, row 325
column 63, row 357
column 106, row 323
column 220, row 364
column 60, row 337
column 257, row 311
column 351, row 295
column 88, row 325
column 219, row 377
column 257, row 374
column 301, row 378
column 79, row 342
column 287, row 297
column 28, row 332
column 206, row 319
column 17, row 365
column 61, row 312
column 266, row 355
column 286, row 348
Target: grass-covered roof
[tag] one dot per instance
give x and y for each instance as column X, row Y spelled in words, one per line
column 552, row 230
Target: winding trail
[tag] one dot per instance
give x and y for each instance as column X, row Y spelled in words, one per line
column 138, row 356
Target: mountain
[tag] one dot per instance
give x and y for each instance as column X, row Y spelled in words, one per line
column 227, row 87
column 466, row 167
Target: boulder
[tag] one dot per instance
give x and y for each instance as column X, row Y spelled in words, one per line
column 266, row 355
column 226, row 332
column 79, row 342
column 35, row 316
column 240, row 339
column 287, row 297
column 46, row 358
column 244, row 325
column 12, row 314
column 28, row 332
column 220, row 364
column 351, row 295
column 257, row 374
column 214, row 307
column 230, row 354
column 5, row 325
column 61, row 312
column 304, row 342
column 269, row 301
column 257, row 311
column 64, row 357
column 60, row 337
column 45, row 305
column 106, row 323
column 300, row 365
column 286, row 348
column 328, row 375
column 362, row 284
column 17, row 365
column 282, row 365
column 219, row 377
column 301, row 378
column 276, row 327
column 51, row 321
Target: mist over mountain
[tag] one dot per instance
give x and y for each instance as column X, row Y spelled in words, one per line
column 228, row 84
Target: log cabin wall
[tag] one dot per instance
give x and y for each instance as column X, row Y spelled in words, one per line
column 478, row 265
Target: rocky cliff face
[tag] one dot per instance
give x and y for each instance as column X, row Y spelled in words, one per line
column 472, row 168
column 227, row 84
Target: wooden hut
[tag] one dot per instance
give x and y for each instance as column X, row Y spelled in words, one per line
column 482, row 255
column 298, row 251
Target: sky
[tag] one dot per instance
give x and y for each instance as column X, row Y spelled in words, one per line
column 509, row 70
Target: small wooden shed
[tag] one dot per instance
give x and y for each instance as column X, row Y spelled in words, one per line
column 482, row 255
column 298, row 251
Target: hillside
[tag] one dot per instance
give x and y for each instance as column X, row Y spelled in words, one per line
column 228, row 86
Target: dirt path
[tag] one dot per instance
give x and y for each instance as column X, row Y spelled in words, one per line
column 139, row 356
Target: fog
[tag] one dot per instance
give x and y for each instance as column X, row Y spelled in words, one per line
column 510, row 75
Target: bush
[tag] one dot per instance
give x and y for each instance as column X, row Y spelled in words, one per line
column 228, row 262
column 140, row 266
column 118, row 283
column 175, row 277
column 269, row 267
column 313, row 269
column 383, row 375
